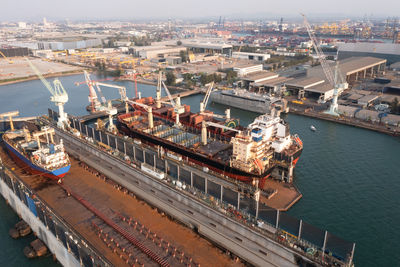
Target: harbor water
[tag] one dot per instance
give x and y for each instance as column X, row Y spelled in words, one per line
column 348, row 176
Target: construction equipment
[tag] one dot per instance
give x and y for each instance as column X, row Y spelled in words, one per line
column 10, row 115
column 148, row 108
column 111, row 111
column 205, row 124
column 121, row 89
column 58, row 95
column 93, row 99
column 178, row 108
column 9, row 61
column 204, row 103
column 335, row 79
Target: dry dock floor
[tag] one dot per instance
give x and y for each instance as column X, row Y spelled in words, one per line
column 104, row 197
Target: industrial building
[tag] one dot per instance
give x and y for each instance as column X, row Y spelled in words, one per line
column 150, row 52
column 272, row 85
column 388, row 51
column 59, row 45
column 245, row 69
column 10, row 51
column 257, row 77
column 310, row 87
column 209, row 48
column 354, row 68
column 251, row 56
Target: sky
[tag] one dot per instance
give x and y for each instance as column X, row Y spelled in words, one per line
column 26, row 10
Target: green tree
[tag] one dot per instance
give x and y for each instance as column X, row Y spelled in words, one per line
column 171, row 79
column 179, row 42
column 394, row 106
column 184, row 56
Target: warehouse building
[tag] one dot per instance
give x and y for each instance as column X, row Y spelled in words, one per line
column 210, row 48
column 10, row 51
column 388, row 51
column 251, row 56
column 245, row 69
column 150, row 52
column 354, row 68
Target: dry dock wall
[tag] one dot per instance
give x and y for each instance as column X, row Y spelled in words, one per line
column 56, row 247
column 68, row 246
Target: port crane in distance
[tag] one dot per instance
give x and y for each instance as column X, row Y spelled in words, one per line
column 58, row 95
column 335, row 79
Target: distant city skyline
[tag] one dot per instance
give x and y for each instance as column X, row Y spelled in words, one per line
column 27, row 10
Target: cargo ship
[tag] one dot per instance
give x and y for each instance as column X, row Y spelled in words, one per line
column 247, row 154
column 250, row 101
column 37, row 152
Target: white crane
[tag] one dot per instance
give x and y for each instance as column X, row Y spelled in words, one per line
column 335, row 79
column 58, row 95
column 178, row 108
column 121, row 89
column 204, row 103
column 204, row 125
column 148, row 108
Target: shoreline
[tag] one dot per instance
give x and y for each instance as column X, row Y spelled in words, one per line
column 349, row 122
column 35, row 77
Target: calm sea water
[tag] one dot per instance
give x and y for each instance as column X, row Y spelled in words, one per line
column 349, row 177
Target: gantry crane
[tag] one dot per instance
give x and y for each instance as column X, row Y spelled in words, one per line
column 58, row 95
column 335, row 79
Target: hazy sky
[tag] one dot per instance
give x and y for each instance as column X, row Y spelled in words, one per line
column 139, row 9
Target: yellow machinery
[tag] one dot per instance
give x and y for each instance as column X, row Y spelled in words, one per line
column 9, row 61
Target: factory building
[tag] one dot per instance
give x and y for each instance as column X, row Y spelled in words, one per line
column 59, row 45
column 251, row 56
column 245, row 69
column 354, row 68
column 209, row 48
column 154, row 52
column 257, row 77
column 388, row 51
column 10, row 51
column 310, row 87
column 316, row 86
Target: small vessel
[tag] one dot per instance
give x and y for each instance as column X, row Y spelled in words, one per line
column 37, row 152
column 312, row 128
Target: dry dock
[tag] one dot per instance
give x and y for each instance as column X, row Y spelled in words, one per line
column 106, row 197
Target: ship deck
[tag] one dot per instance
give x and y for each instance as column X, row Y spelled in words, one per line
column 106, row 198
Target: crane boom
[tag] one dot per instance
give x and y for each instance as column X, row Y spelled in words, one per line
column 203, row 104
column 44, row 81
column 327, row 70
column 121, row 89
column 168, row 94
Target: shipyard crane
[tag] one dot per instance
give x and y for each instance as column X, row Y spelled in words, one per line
column 6, row 58
column 149, row 110
column 10, row 115
column 93, row 99
column 58, row 95
column 111, row 111
column 335, row 79
column 204, row 103
column 178, row 108
column 205, row 124
column 121, row 89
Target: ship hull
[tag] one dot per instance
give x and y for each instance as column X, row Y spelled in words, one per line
column 27, row 165
column 197, row 159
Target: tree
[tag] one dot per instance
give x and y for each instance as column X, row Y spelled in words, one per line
column 171, row 79
column 179, row 42
column 184, row 56
column 394, row 106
